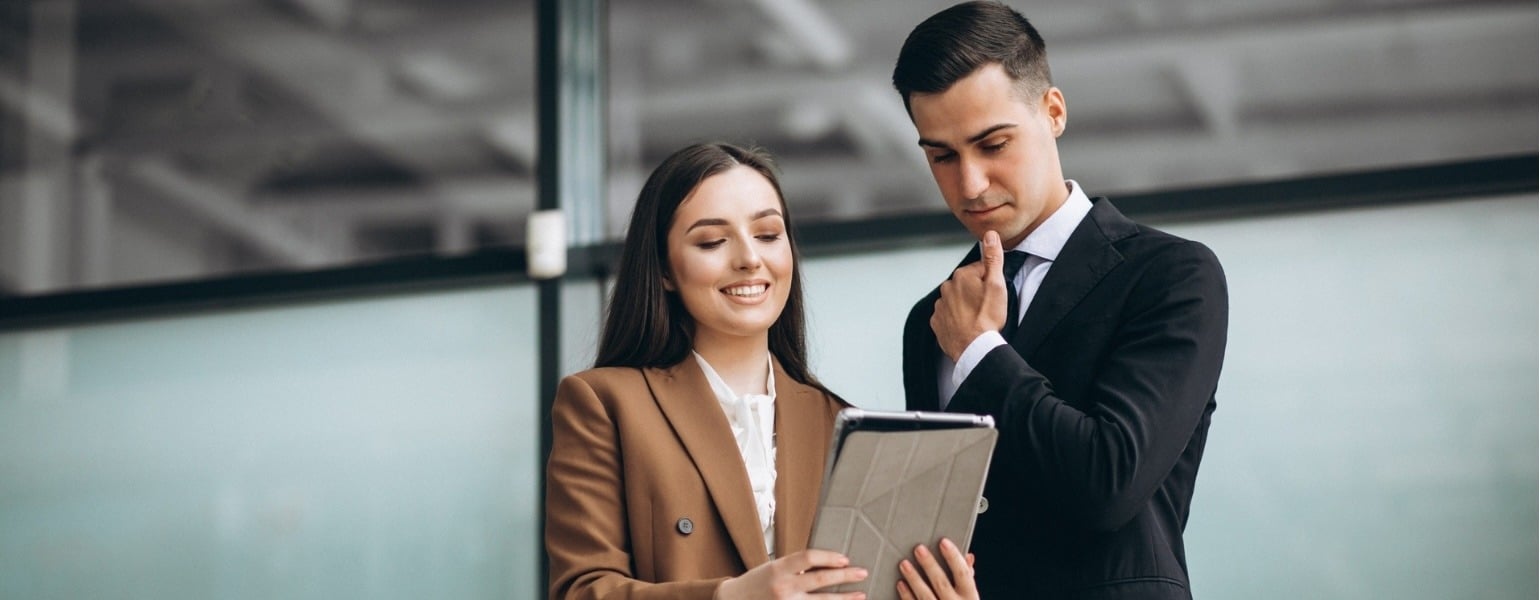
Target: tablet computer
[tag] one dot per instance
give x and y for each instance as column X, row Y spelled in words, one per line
column 895, row 480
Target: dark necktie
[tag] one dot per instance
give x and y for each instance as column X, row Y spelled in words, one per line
column 1013, row 262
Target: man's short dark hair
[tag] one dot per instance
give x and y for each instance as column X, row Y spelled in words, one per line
column 955, row 42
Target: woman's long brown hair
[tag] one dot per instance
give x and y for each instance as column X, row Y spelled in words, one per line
column 647, row 325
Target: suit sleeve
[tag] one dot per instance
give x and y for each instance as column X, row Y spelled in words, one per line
column 1102, row 464
column 586, row 532
column 921, row 391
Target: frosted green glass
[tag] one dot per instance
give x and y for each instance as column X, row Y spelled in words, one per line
column 377, row 448
column 856, row 307
column 1376, row 430
column 582, row 304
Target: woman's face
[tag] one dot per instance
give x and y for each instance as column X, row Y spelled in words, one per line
column 728, row 256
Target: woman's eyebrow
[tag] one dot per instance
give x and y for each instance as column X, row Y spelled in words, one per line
column 705, row 223
column 769, row 212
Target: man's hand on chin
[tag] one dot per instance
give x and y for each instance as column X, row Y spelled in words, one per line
column 973, row 301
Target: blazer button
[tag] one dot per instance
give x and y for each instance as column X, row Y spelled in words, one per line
column 685, row 526
column 983, row 504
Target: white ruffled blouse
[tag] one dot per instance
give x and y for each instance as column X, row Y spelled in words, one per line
column 752, row 417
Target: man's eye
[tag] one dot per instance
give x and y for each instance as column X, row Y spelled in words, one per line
column 992, row 148
column 941, row 158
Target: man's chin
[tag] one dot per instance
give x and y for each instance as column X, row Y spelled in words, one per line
column 978, row 229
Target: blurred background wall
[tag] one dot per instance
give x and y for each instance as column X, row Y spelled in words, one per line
column 1376, row 431
column 160, row 140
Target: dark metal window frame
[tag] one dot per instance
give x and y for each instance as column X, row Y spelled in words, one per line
column 1474, row 179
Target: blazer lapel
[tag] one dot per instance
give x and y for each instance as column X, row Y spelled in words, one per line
column 801, row 440
column 1087, row 257
column 685, row 398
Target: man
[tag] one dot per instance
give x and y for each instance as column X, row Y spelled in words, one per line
column 1104, row 390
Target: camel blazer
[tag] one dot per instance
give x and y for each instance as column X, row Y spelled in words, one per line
column 647, row 494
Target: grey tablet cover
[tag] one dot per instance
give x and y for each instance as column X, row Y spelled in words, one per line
column 886, row 492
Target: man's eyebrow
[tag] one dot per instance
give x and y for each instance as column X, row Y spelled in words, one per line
column 971, row 140
column 988, row 132
column 769, row 212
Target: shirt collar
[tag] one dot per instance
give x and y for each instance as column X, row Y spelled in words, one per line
column 1049, row 238
column 724, row 393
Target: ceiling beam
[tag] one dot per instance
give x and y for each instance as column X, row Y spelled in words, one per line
column 43, row 112
column 340, row 80
column 810, row 30
column 228, row 211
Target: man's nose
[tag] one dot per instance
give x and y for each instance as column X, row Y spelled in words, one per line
column 974, row 180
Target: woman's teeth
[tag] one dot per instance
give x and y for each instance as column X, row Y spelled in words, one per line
column 746, row 290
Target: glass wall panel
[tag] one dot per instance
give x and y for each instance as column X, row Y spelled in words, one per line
column 1160, row 94
column 1375, row 435
column 856, row 307
column 157, row 140
column 162, row 140
column 582, row 304
column 371, row 448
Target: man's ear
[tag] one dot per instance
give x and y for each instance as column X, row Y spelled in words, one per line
column 1057, row 112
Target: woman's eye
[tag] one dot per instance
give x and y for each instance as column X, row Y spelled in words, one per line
column 711, row 244
column 769, row 237
column 941, row 158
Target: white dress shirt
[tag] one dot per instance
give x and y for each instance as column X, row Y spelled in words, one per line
column 752, row 417
column 1042, row 247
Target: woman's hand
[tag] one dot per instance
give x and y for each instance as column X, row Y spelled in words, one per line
column 795, row 576
column 934, row 584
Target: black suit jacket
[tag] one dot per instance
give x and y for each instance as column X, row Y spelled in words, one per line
column 1103, row 401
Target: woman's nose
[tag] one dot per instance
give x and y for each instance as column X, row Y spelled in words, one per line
column 747, row 259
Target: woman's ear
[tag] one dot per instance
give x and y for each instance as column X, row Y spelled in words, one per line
column 668, row 283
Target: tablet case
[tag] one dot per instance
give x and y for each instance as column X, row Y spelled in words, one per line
column 887, row 491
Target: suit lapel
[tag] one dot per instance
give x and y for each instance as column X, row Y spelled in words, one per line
column 1087, row 257
column 801, row 436
column 922, row 353
column 685, row 398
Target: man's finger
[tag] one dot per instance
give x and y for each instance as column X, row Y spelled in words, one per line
column 993, row 256
column 932, row 569
column 917, row 586
column 962, row 567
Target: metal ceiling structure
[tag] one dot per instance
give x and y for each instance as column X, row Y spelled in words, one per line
column 154, row 140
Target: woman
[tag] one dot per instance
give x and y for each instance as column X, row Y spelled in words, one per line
column 687, row 462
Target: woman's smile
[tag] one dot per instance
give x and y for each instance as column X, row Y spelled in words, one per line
column 747, row 293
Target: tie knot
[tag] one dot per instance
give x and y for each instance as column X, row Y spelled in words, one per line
column 1013, row 262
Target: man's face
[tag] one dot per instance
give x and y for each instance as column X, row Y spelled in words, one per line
column 993, row 153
